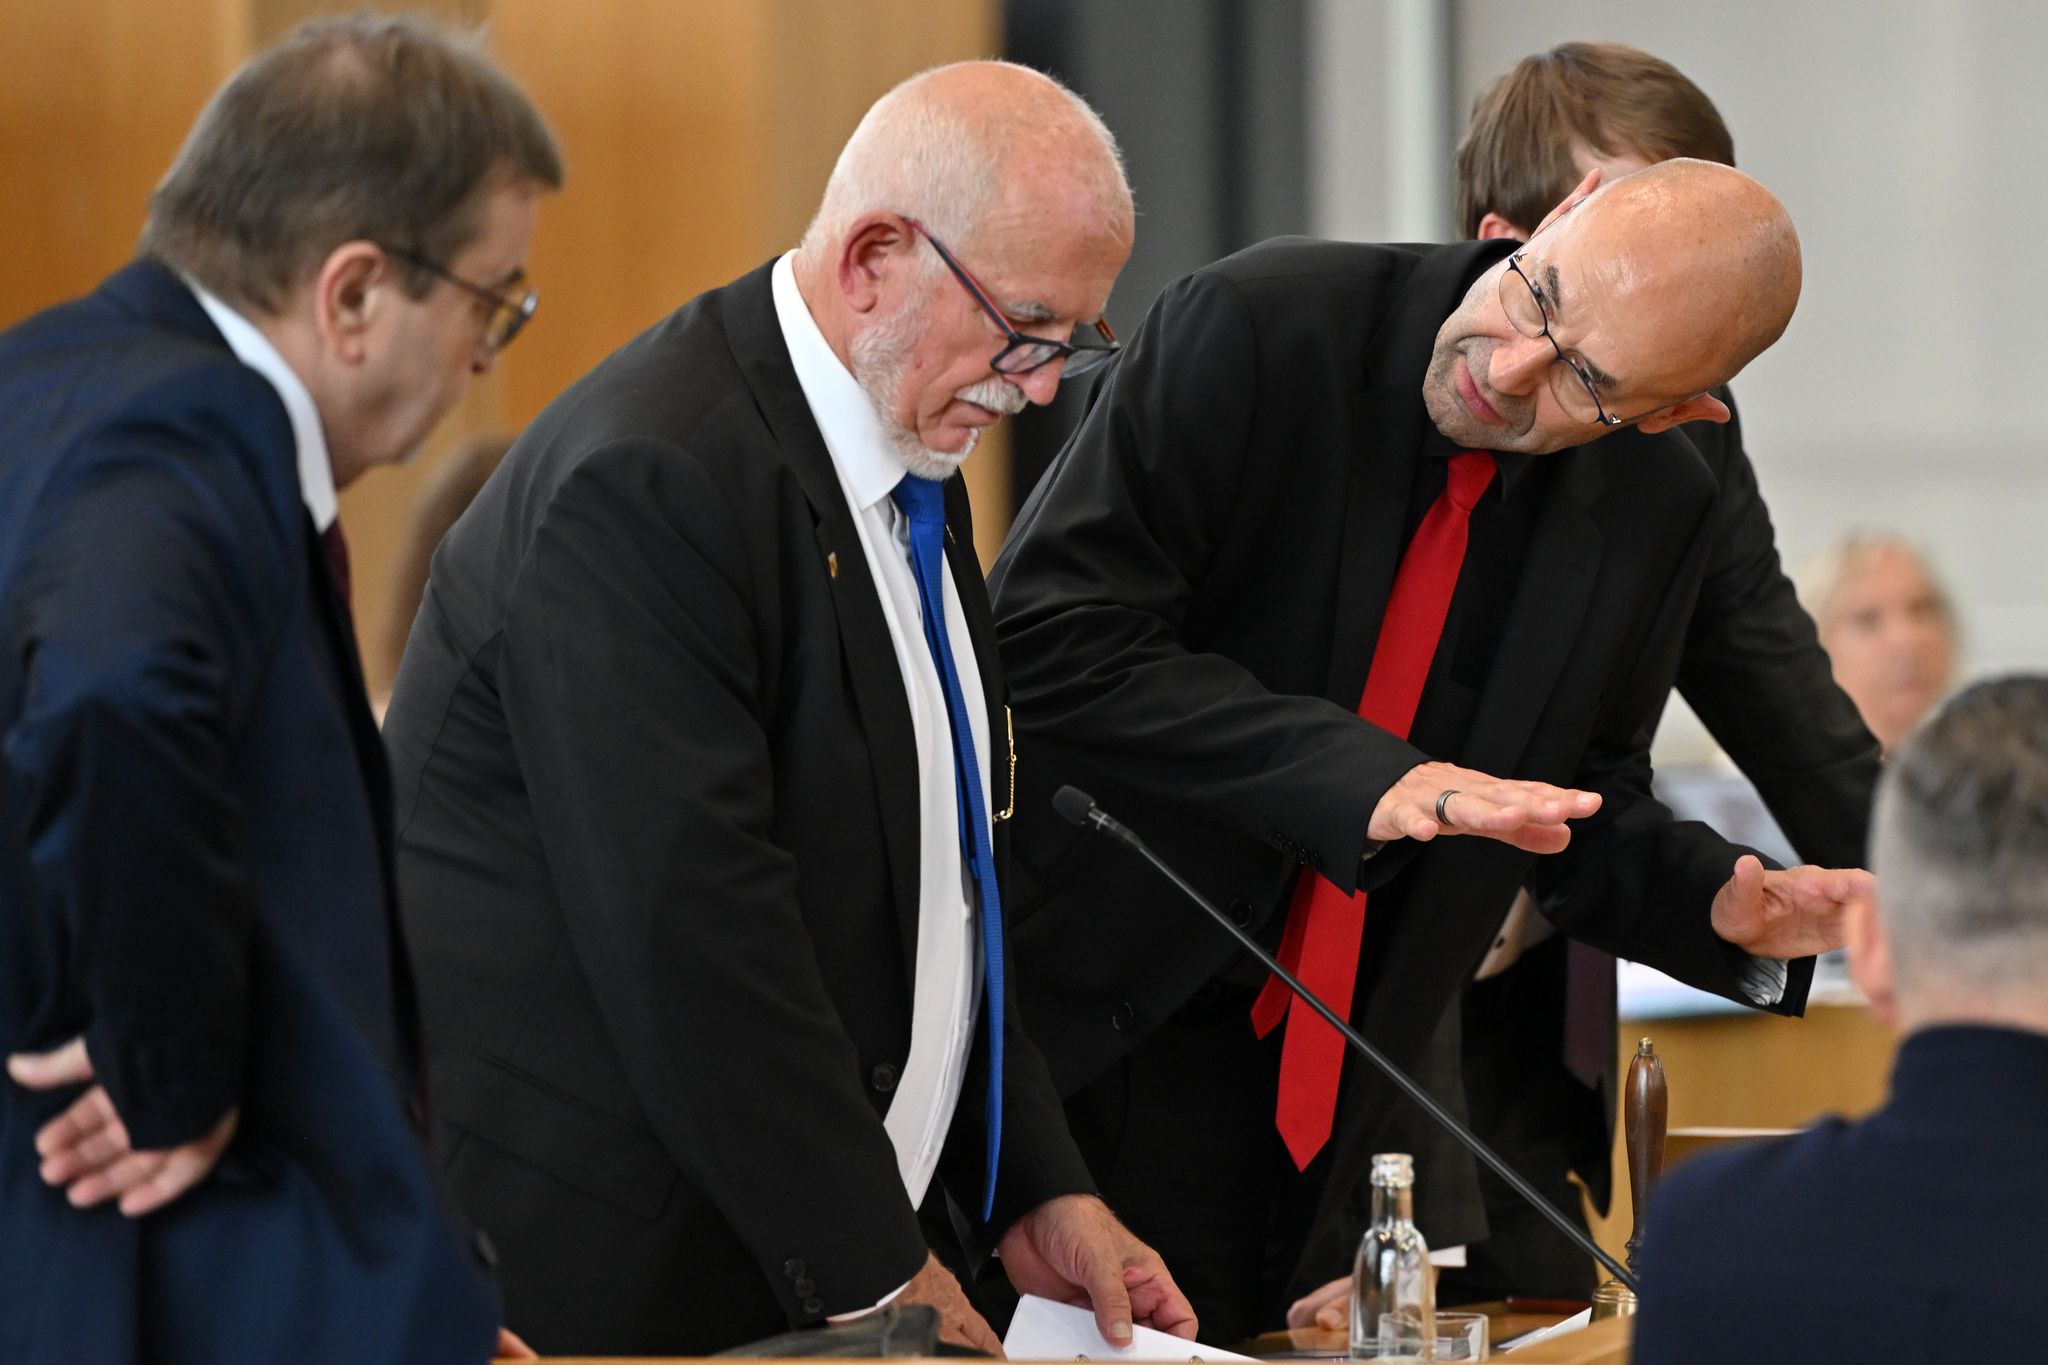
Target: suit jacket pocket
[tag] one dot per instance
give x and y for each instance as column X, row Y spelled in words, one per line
column 561, row 1135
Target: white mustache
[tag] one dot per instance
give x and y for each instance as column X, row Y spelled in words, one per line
column 997, row 395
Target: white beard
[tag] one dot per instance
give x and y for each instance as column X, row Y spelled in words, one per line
column 880, row 357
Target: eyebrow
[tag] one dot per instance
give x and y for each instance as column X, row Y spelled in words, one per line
column 1026, row 312
column 1551, row 286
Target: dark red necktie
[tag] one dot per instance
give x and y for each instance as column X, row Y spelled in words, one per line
column 336, row 548
column 1324, row 926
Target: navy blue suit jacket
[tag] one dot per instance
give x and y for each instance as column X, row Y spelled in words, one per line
column 196, row 871
column 1915, row 1234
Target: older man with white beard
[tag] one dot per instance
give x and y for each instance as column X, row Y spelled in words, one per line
column 702, row 761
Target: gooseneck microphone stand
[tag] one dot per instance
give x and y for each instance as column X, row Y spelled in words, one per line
column 1078, row 807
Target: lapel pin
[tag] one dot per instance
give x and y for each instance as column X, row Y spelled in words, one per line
column 832, row 563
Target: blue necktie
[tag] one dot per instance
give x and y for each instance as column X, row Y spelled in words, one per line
column 924, row 503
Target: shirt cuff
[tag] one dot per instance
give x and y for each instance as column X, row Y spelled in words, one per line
column 1763, row 980
column 890, row 1297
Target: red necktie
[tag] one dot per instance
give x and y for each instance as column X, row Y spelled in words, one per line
column 336, row 547
column 1324, row 926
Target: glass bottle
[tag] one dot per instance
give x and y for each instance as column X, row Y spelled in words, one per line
column 1393, row 1290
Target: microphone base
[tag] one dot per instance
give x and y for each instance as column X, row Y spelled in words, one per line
column 1613, row 1299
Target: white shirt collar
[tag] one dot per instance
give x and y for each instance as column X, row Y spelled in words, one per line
column 252, row 348
column 841, row 408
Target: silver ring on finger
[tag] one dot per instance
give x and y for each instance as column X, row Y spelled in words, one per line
column 1442, row 815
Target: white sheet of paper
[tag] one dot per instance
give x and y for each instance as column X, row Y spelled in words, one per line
column 1448, row 1258
column 1046, row 1330
column 1583, row 1318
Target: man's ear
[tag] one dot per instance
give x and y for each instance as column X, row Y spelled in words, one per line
column 1570, row 201
column 1870, row 959
column 1701, row 408
column 345, row 298
column 870, row 256
column 1494, row 228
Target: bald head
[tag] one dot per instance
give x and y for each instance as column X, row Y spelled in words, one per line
column 976, row 219
column 1658, row 288
column 977, row 146
column 1709, row 243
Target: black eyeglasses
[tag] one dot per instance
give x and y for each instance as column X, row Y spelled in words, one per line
column 509, row 312
column 1529, row 314
column 1022, row 354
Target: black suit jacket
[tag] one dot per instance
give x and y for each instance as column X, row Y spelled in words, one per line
column 658, row 811
column 1754, row 672
column 1187, row 607
column 1911, row 1234
column 196, row 873
column 1752, row 668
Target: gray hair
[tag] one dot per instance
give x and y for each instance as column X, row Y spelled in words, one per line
column 918, row 155
column 1824, row 575
column 359, row 128
column 1959, row 842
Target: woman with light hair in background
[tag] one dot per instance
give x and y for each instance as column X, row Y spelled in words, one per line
column 1888, row 627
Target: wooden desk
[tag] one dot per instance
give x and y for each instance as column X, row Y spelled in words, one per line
column 1752, row 1070
column 1577, row 1348
column 1604, row 1343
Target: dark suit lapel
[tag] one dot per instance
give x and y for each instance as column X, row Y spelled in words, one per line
column 1391, row 424
column 1543, row 621
column 1376, row 490
column 748, row 310
column 968, row 582
column 338, row 626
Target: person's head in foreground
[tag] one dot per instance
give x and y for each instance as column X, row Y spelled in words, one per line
column 1888, row 627
column 964, row 251
column 1854, row 1237
column 1959, row 841
column 1579, row 107
column 1627, row 305
column 365, row 193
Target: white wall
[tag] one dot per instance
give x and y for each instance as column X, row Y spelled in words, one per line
column 1910, row 142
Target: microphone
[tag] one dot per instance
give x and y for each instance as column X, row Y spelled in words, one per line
column 1077, row 807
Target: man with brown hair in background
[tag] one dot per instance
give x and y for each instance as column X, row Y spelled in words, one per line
column 1537, row 1052
column 211, row 1136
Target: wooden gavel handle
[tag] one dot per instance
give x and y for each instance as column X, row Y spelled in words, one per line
column 1646, row 1110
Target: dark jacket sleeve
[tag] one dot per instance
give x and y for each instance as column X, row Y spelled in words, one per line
column 1094, row 587
column 633, row 689
column 149, row 599
column 1755, row 674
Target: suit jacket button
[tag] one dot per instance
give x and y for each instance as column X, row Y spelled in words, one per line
column 486, row 1250
column 883, row 1078
column 794, row 1268
column 814, row 1305
column 805, row 1286
column 1241, row 912
column 1123, row 1018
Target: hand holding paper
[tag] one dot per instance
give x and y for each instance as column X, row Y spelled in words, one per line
column 1074, row 1250
column 1044, row 1330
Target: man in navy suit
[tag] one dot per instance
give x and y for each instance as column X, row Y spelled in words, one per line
column 211, row 1145
column 1916, row 1231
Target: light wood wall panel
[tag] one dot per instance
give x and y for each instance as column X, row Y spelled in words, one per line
column 97, row 98
column 698, row 136
column 1754, row 1070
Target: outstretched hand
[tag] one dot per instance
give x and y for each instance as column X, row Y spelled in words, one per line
column 1074, row 1249
column 1529, row 815
column 1794, row 913
column 85, row 1149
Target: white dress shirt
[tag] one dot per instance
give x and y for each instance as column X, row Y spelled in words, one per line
column 945, row 995
column 252, row 348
